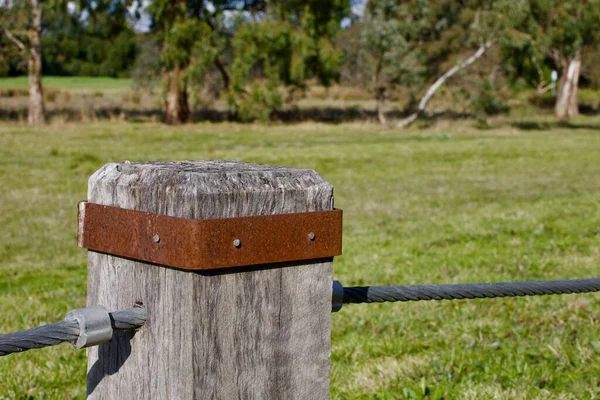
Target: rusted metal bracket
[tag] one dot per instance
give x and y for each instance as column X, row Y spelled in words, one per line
column 195, row 244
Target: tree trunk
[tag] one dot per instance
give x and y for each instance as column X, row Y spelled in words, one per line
column 566, row 100
column 380, row 96
column 224, row 74
column 217, row 62
column 440, row 81
column 379, row 91
column 176, row 101
column 36, row 112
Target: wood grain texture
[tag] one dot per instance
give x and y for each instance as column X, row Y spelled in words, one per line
column 258, row 334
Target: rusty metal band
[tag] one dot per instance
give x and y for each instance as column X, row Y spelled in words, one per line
column 195, row 244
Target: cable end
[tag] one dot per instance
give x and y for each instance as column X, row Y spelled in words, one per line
column 337, row 296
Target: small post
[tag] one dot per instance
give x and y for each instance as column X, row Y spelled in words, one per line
column 254, row 333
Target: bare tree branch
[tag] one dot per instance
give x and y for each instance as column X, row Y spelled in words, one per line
column 555, row 55
column 223, row 72
column 14, row 39
column 440, row 81
column 542, row 87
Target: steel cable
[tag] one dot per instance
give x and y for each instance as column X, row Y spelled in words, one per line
column 379, row 294
column 65, row 331
column 41, row 336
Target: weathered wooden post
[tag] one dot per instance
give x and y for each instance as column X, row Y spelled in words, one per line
column 244, row 333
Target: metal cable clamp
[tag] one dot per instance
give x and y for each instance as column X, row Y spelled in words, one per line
column 94, row 326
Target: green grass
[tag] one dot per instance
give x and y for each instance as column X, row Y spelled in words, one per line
column 443, row 204
column 69, row 83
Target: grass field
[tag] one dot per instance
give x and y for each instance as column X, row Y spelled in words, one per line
column 69, row 83
column 444, row 204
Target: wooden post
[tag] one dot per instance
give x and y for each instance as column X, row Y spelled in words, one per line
column 263, row 333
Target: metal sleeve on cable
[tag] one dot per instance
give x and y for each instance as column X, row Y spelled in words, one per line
column 68, row 330
column 379, row 294
column 94, row 326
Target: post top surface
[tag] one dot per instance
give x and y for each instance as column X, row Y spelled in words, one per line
column 203, row 167
column 190, row 178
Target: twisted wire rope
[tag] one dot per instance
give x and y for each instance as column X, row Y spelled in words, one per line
column 69, row 330
column 380, row 294
column 64, row 331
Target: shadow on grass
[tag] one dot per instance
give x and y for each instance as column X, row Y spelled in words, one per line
column 545, row 125
column 332, row 115
column 546, row 102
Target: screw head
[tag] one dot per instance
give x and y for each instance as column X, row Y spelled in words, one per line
column 156, row 238
column 311, row 236
column 237, row 242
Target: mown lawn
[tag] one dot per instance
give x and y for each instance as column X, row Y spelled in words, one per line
column 443, row 204
column 69, row 82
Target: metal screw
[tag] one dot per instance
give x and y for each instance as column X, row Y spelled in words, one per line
column 156, row 238
column 311, row 236
column 237, row 242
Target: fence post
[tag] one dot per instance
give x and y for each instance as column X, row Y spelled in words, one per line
column 263, row 333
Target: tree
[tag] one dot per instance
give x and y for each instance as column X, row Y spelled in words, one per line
column 387, row 37
column 146, row 70
column 568, row 26
column 290, row 44
column 445, row 30
column 264, row 60
column 192, row 36
column 272, row 56
column 66, row 38
column 21, row 22
column 11, row 60
column 442, row 79
column 181, row 50
column 410, row 43
column 560, row 30
column 89, row 38
column 248, row 43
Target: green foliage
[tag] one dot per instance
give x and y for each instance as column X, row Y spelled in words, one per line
column 294, row 44
column 316, row 18
column 486, row 101
column 355, row 69
column 258, row 103
column 589, row 68
column 387, row 38
column 89, row 40
column 182, row 46
column 192, row 38
column 263, row 51
column 11, row 61
column 83, row 39
column 190, row 45
column 565, row 25
column 16, row 18
column 547, row 33
column 318, row 22
column 146, row 70
column 408, row 44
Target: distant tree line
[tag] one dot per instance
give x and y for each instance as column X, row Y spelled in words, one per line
column 419, row 45
column 260, row 54
column 79, row 39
